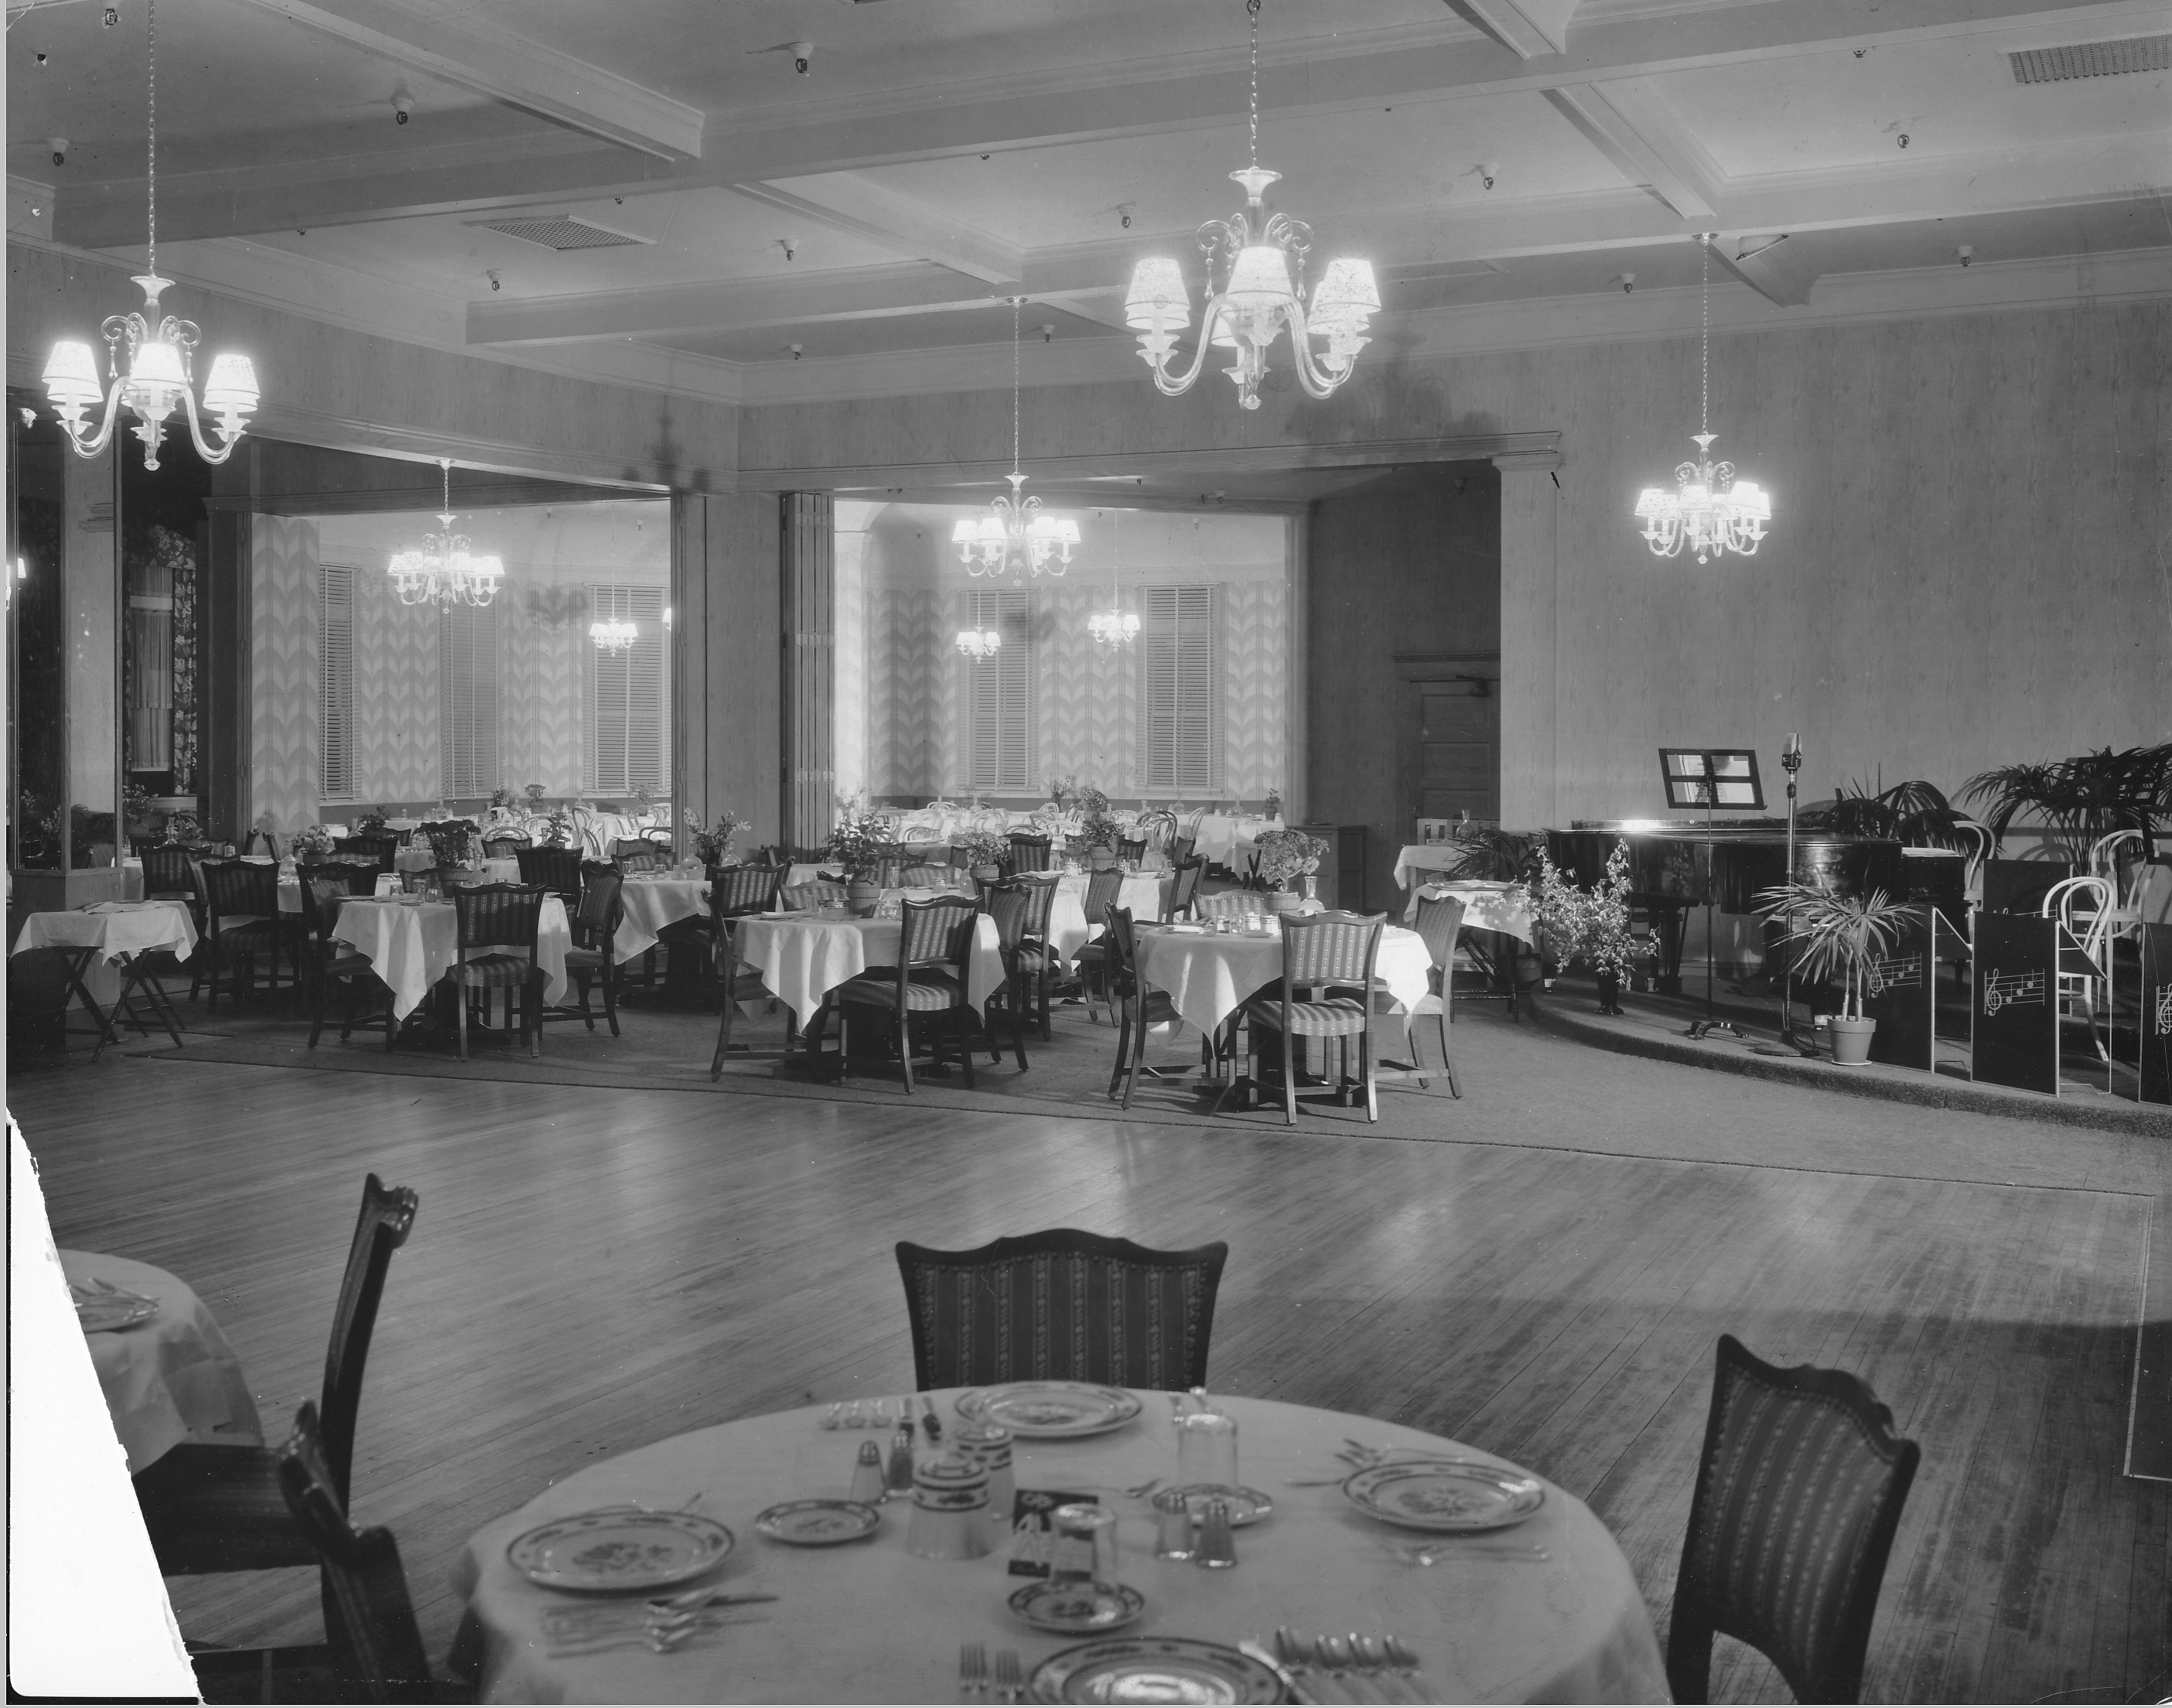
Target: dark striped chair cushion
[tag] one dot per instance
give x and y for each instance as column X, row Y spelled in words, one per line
column 930, row 991
column 1339, row 1017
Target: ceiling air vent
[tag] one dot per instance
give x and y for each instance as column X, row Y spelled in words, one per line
column 2093, row 59
column 561, row 233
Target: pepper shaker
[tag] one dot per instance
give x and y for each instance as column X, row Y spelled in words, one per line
column 1217, row 1549
column 901, row 1460
column 868, row 1483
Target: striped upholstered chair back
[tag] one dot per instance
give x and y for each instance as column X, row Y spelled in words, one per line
column 1798, row 1494
column 1063, row 1305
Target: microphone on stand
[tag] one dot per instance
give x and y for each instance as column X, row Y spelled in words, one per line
column 1791, row 761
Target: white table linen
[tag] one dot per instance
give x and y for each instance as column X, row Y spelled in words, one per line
column 648, row 902
column 1486, row 906
column 1210, row 974
column 1069, row 930
column 110, row 929
column 803, row 957
column 869, row 1622
column 411, row 944
column 1221, row 833
column 171, row 1379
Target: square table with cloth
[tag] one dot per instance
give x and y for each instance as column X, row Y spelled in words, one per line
column 1220, row 833
column 803, row 957
column 107, row 935
column 410, row 943
column 1208, row 975
column 648, row 901
column 1069, row 929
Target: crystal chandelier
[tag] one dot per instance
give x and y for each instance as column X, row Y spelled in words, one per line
column 980, row 644
column 613, row 635
column 442, row 570
column 1263, row 291
column 1115, row 627
column 1713, row 513
column 1014, row 534
column 160, row 347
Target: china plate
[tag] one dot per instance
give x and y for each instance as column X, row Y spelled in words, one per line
column 1049, row 1409
column 1246, row 1506
column 1077, row 1607
column 619, row 1548
column 818, row 1523
column 1152, row 1669
column 99, row 1310
column 1443, row 1495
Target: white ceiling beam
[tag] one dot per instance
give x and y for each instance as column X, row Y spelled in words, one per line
column 1774, row 271
column 500, row 65
column 1630, row 121
column 846, row 202
column 1532, row 28
column 1108, row 102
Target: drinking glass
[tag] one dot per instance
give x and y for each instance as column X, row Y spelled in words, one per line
column 1085, row 1543
column 1206, row 1451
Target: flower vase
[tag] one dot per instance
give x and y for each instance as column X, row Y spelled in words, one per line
column 862, row 896
column 1311, row 886
column 988, row 873
column 1609, row 992
column 1283, row 901
column 1101, row 859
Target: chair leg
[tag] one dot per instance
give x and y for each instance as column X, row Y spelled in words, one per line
column 531, row 1015
column 1138, row 1053
column 723, row 1029
column 1289, row 1078
column 1447, row 1060
column 460, row 1017
column 1365, row 1067
column 905, row 1046
column 962, row 1019
column 1122, row 1014
column 1047, row 955
column 317, row 1026
column 588, row 1015
column 1018, row 1037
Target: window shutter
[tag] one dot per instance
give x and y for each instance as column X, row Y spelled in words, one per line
column 1180, row 731
column 336, row 682
column 628, row 746
column 467, row 691
column 1000, row 695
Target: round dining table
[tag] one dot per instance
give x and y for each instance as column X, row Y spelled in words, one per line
column 1546, row 1611
column 169, row 1379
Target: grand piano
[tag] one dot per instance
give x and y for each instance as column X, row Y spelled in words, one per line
column 1668, row 874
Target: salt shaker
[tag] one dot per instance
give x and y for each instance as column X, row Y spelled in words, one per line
column 1217, row 1542
column 1173, row 1537
column 868, row 1483
column 901, row 1460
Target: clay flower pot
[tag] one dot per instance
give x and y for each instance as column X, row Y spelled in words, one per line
column 1851, row 1041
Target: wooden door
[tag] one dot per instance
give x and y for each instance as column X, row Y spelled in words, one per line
column 1450, row 744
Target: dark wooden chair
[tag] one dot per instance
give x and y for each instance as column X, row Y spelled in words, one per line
column 213, row 1509
column 1010, row 904
column 1184, row 886
column 166, row 874
column 814, row 895
column 558, row 870
column 1092, row 959
column 1440, row 917
column 444, row 879
column 1137, row 1009
column 639, row 855
column 378, row 851
column 734, row 893
column 242, row 923
column 1061, row 1305
column 1133, row 849
column 506, row 845
column 925, row 875
column 503, row 918
column 934, row 939
column 330, row 961
column 1326, row 993
column 1179, row 849
column 592, row 959
column 1036, row 954
column 1799, row 1491
column 1029, row 853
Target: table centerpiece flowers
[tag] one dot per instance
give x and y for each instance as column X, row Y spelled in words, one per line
column 984, row 852
column 311, row 845
column 860, row 842
column 183, row 827
column 1285, row 856
column 712, row 846
column 1098, row 832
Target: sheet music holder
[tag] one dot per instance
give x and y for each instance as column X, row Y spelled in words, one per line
column 1711, row 777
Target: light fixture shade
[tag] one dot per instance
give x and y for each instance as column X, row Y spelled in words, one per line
column 1656, row 502
column 1062, row 530
column 1157, row 288
column 1345, row 298
column 157, row 362
column 965, row 532
column 71, row 374
column 231, row 389
column 1749, row 500
column 1260, row 278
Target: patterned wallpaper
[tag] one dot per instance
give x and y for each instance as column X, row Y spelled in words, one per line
column 1255, row 674
column 283, row 675
column 541, row 702
column 396, row 753
column 909, row 690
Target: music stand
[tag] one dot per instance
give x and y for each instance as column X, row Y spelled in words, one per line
column 1711, row 777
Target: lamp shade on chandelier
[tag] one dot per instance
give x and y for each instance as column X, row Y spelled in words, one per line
column 1261, row 256
column 1015, row 535
column 155, row 376
column 980, row 644
column 1710, row 512
column 1113, row 628
column 442, row 571
column 614, row 635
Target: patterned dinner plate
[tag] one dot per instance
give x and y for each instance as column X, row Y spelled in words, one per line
column 818, row 1523
column 1076, row 1607
column 619, row 1548
column 102, row 1308
column 1051, row 1409
column 1444, row 1494
column 1152, row 1669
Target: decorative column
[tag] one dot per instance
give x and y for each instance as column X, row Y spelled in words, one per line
column 1531, row 619
column 807, row 525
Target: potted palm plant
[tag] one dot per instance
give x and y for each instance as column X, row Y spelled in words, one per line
column 1841, row 939
column 2081, row 799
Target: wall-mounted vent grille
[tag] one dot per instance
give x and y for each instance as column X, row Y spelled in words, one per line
column 561, row 234
column 2093, row 59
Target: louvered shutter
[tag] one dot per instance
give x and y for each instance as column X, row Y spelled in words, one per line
column 1181, row 689
column 629, row 744
column 336, row 682
column 467, row 691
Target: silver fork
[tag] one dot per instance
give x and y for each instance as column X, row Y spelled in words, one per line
column 1010, row 1677
column 972, row 1672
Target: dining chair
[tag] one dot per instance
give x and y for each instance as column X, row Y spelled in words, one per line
column 1136, row 1007
column 736, row 892
column 592, row 959
column 639, row 855
column 1182, row 848
column 934, row 939
column 1036, row 955
column 1799, row 1488
column 440, row 879
column 506, row 845
column 330, row 960
column 1329, row 957
column 166, row 873
column 380, row 850
column 1010, row 903
column 260, row 841
column 211, row 1508
column 1029, row 852
column 926, row 875
column 1091, row 959
column 1187, row 869
column 815, row 895
column 1440, row 917
column 1226, row 903
column 2085, row 908
column 242, row 921
column 1131, row 849
column 504, row 918
column 558, row 870
column 1061, row 1305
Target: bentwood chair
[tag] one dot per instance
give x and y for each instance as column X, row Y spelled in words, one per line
column 242, row 921
column 592, row 959
column 934, row 939
column 1029, row 853
column 329, row 960
column 1799, row 1491
column 503, row 918
column 212, row 1509
column 1061, row 1305
column 1009, row 902
column 1440, row 917
column 735, row 893
column 1133, row 849
column 2086, row 910
column 1137, row 1007
column 1329, row 958
column 558, row 870
column 1092, row 959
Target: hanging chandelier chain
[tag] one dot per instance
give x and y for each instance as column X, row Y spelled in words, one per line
column 1704, row 322
column 151, row 173
column 1017, row 302
column 1252, row 12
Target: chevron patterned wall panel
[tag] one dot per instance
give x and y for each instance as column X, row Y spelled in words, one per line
column 396, row 755
column 908, row 691
column 541, row 703
column 282, row 747
column 1089, row 698
column 1254, row 672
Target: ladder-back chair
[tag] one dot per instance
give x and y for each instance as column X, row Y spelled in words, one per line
column 497, row 926
column 934, row 940
column 735, row 893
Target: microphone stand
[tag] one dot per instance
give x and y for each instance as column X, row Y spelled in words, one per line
column 1712, row 1023
column 1791, row 761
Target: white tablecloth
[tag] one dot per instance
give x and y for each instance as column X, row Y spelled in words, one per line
column 869, row 1622
column 803, row 957
column 108, row 929
column 1486, row 906
column 649, row 902
column 411, row 945
column 1068, row 927
column 168, row 1380
column 1209, row 975
column 1220, row 833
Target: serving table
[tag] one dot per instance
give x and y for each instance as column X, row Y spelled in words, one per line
column 170, row 1378
column 866, row 1621
column 102, row 942
column 410, row 944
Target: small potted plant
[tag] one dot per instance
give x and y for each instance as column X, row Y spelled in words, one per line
column 371, row 823
column 184, row 827
column 1285, row 857
column 1274, row 806
column 1841, row 938
column 1062, row 789
column 713, row 847
column 1098, row 832
column 861, row 842
column 984, row 852
column 558, row 830
column 1591, row 926
column 312, row 846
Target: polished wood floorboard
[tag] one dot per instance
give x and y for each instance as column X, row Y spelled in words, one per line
column 593, row 1269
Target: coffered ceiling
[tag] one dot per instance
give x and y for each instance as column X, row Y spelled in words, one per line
column 940, row 156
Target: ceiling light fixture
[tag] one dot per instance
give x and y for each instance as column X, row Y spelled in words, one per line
column 980, row 644
column 1014, row 534
column 159, row 373
column 442, row 571
column 614, row 635
column 1262, row 291
column 1712, row 512
column 1114, row 628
